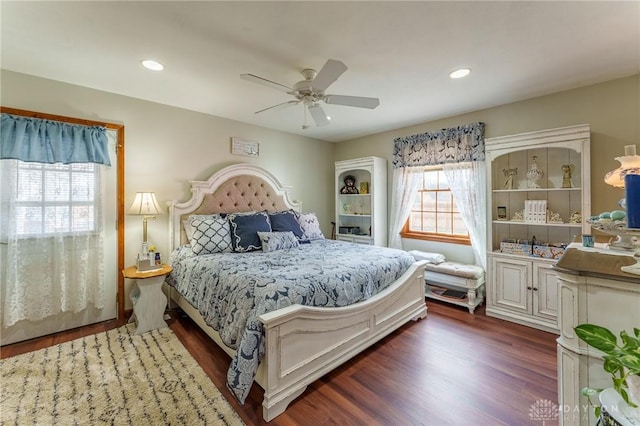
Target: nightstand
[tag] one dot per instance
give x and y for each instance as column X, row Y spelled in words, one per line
column 149, row 302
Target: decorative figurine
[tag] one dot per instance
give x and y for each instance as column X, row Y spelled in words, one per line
column 567, row 171
column 518, row 216
column 349, row 185
column 534, row 174
column 553, row 217
column 576, row 217
column 509, row 173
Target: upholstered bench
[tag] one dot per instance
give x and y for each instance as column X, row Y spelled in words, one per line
column 456, row 283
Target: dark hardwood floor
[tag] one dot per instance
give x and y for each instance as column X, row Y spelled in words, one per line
column 452, row 368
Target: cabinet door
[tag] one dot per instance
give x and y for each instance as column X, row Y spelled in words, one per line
column 545, row 291
column 512, row 278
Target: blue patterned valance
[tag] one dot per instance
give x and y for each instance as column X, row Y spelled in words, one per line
column 452, row 145
column 45, row 141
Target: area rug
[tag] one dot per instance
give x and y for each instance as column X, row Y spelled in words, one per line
column 112, row 377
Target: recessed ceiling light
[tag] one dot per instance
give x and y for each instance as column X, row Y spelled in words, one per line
column 459, row 73
column 152, row 65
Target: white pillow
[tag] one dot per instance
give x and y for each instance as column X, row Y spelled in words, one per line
column 310, row 226
column 429, row 257
column 211, row 236
column 186, row 223
column 272, row 241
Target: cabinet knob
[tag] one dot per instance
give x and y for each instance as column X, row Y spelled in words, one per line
column 535, row 289
column 529, row 288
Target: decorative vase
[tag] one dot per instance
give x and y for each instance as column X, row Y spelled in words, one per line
column 534, row 174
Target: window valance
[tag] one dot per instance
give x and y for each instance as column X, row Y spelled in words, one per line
column 45, row 141
column 452, row 145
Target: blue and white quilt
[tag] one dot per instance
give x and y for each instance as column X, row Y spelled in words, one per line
column 231, row 290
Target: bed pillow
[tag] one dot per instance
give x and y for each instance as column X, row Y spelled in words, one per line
column 272, row 241
column 310, row 226
column 286, row 221
column 245, row 228
column 188, row 228
column 210, row 235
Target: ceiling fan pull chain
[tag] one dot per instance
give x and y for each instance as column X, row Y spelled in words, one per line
column 305, row 126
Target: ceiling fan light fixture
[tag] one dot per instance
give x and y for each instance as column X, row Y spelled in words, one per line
column 152, row 65
column 460, row 72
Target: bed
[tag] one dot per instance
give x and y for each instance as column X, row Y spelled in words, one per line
column 300, row 343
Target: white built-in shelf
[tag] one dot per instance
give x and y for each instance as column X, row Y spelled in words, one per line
column 536, row 190
column 516, row 222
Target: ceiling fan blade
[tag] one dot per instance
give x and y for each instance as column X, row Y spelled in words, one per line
column 265, row 82
column 354, row 101
column 318, row 115
column 328, row 74
column 278, row 106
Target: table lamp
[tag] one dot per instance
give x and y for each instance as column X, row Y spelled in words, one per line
column 145, row 205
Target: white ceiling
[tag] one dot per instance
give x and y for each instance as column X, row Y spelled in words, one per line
column 400, row 52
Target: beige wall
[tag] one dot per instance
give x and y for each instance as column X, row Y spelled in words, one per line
column 612, row 109
column 165, row 147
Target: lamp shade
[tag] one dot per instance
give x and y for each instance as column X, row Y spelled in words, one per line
column 145, row 204
column 629, row 165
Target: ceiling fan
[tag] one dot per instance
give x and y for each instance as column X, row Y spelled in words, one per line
column 310, row 92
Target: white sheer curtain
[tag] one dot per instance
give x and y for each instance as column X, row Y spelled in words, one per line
column 53, row 231
column 406, row 182
column 468, row 185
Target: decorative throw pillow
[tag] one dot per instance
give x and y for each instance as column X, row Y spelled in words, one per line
column 210, row 236
column 188, row 228
column 286, row 221
column 310, row 226
column 272, row 241
column 245, row 228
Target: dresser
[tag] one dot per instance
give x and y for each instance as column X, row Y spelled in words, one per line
column 591, row 289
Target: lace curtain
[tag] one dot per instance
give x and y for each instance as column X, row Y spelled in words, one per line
column 406, row 183
column 467, row 182
column 51, row 227
column 461, row 152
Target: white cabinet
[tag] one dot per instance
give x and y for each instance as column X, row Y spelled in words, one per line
column 524, row 291
column 361, row 208
column 592, row 290
column 538, row 197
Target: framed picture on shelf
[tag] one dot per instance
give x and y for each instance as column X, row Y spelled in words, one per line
column 502, row 213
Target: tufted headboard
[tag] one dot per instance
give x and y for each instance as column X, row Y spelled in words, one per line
column 236, row 188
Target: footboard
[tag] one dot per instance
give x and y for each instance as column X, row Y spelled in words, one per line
column 303, row 343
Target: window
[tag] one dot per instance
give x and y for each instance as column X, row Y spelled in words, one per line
column 434, row 215
column 55, row 198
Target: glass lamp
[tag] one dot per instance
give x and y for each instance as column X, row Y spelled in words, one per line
column 145, row 205
column 629, row 165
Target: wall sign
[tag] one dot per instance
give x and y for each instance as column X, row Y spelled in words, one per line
column 246, row 147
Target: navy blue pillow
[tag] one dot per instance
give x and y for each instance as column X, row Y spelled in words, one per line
column 245, row 228
column 286, row 221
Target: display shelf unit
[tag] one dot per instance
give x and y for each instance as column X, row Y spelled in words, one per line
column 362, row 217
column 521, row 287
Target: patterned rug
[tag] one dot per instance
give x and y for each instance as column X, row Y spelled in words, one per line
column 111, row 378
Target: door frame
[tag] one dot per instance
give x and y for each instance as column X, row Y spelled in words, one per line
column 119, row 129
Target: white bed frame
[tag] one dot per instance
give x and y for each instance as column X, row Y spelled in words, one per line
column 302, row 343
